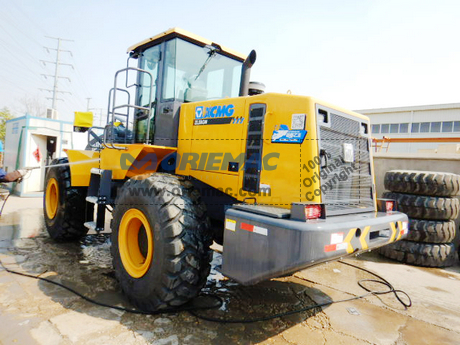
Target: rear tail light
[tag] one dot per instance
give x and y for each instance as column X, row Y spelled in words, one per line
column 390, row 206
column 386, row 205
column 313, row 211
column 305, row 211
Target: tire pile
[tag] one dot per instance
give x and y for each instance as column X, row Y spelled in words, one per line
column 428, row 199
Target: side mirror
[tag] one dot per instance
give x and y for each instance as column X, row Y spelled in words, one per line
column 83, row 121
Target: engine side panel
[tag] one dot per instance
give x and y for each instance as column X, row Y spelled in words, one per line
column 248, row 148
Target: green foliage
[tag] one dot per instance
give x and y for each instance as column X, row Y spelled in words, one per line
column 5, row 115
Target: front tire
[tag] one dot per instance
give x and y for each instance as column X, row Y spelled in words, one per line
column 160, row 241
column 65, row 208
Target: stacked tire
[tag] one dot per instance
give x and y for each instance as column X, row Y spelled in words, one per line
column 428, row 199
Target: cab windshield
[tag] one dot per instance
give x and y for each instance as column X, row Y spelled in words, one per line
column 193, row 73
column 182, row 72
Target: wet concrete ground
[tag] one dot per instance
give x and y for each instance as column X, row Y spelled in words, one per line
column 36, row 312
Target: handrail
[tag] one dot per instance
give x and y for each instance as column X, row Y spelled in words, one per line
column 130, row 106
column 91, row 133
column 112, row 107
column 113, row 90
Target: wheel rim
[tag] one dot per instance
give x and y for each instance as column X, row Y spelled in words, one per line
column 135, row 261
column 52, row 198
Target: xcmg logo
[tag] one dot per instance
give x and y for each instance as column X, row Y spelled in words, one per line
column 214, row 112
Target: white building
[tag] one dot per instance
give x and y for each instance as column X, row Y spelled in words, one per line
column 427, row 121
column 34, row 142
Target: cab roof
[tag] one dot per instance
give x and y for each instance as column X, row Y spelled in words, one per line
column 188, row 36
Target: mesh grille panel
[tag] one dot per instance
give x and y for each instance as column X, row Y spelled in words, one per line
column 345, row 185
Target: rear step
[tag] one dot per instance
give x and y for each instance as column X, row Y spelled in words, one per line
column 96, row 171
column 92, row 199
column 99, row 193
column 91, row 226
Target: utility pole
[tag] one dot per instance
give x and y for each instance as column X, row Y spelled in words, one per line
column 56, row 75
column 99, row 112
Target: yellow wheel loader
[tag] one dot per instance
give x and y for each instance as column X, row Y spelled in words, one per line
column 193, row 152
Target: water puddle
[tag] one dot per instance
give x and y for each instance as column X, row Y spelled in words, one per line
column 86, row 266
column 19, row 225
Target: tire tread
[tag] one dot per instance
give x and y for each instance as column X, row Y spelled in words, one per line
column 425, row 207
column 75, row 207
column 431, row 231
column 427, row 183
column 421, row 254
column 187, row 237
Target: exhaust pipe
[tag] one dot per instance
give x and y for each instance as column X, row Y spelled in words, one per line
column 246, row 73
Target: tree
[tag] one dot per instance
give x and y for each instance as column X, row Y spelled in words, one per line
column 32, row 105
column 5, row 115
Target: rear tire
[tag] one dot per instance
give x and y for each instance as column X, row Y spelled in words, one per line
column 160, row 241
column 420, row 254
column 65, row 208
column 428, row 183
column 425, row 207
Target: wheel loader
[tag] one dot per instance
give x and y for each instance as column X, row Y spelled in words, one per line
column 194, row 153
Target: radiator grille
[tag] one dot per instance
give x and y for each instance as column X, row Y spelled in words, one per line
column 346, row 186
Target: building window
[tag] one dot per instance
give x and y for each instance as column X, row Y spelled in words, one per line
column 385, row 128
column 424, row 127
column 457, row 126
column 375, row 128
column 436, row 127
column 415, row 128
column 394, row 128
column 15, row 127
column 447, row 127
column 403, row 128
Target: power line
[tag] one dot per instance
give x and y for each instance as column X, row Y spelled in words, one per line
column 11, row 84
column 29, row 19
column 98, row 111
column 18, row 60
column 80, row 78
column 25, row 61
column 13, row 22
column 57, row 63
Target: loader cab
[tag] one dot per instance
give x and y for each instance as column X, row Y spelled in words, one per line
column 184, row 68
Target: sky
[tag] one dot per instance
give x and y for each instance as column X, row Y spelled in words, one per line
column 355, row 54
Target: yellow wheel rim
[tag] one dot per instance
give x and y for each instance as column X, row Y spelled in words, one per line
column 135, row 260
column 52, row 198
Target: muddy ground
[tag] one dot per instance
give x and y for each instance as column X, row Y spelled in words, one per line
column 36, row 312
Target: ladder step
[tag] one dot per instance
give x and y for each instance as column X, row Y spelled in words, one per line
column 90, row 225
column 96, row 171
column 92, row 199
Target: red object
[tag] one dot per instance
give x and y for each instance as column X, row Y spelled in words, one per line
column 247, row 227
column 37, row 154
column 312, row 211
column 389, row 205
column 330, row 248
